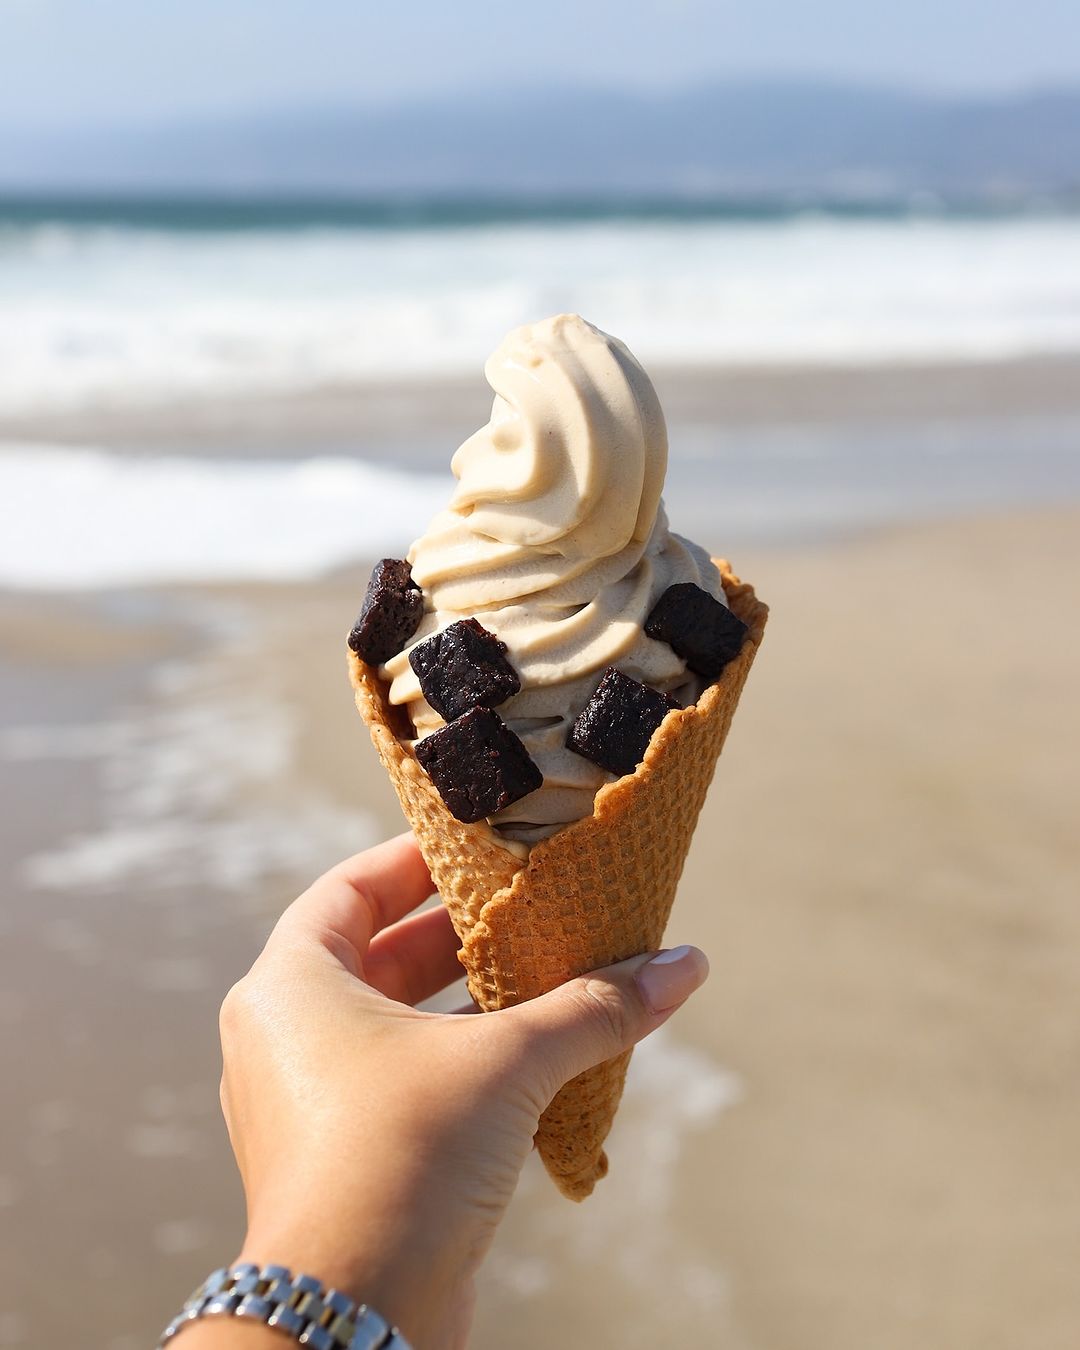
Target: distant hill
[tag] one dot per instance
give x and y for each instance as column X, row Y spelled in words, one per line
column 750, row 137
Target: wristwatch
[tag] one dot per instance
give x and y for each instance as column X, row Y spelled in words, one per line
column 296, row 1305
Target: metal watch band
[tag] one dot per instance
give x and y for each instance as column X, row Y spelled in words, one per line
column 297, row 1305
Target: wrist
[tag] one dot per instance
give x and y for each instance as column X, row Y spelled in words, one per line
column 411, row 1279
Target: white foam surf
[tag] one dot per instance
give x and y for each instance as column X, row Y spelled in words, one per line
column 84, row 518
column 95, row 316
column 194, row 791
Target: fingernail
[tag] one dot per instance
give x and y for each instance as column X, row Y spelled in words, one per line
column 670, row 977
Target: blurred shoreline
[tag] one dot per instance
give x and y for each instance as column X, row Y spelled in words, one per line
column 413, row 420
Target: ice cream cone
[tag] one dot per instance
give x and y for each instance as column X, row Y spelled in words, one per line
column 598, row 891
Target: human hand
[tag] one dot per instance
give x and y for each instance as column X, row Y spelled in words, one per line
column 379, row 1145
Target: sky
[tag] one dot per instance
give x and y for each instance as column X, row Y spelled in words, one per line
column 65, row 62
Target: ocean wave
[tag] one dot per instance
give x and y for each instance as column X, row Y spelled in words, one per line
column 77, row 519
column 100, row 314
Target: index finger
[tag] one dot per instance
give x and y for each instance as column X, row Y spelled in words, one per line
column 359, row 897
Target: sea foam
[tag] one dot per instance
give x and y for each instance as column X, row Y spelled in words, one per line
column 74, row 519
column 94, row 316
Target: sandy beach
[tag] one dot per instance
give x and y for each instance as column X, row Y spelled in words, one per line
column 862, row 1133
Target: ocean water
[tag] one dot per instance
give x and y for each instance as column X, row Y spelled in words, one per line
column 135, row 303
column 127, row 304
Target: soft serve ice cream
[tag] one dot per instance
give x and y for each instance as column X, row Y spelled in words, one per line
column 557, row 542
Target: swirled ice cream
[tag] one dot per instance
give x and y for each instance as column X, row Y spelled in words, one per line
column 556, row 540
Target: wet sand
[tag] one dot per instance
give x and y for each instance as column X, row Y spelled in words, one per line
column 389, row 420
column 863, row 1132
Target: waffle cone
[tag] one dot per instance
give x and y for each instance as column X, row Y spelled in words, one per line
column 596, row 892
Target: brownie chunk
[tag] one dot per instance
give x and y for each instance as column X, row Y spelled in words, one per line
column 478, row 765
column 697, row 627
column 392, row 610
column 463, row 667
column 617, row 723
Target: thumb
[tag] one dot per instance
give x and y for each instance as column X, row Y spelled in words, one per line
column 597, row 1016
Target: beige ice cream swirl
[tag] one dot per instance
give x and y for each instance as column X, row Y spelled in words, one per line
column 556, row 540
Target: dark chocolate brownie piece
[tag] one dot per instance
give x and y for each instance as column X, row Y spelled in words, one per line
column 393, row 607
column 463, row 667
column 697, row 627
column 617, row 723
column 478, row 765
